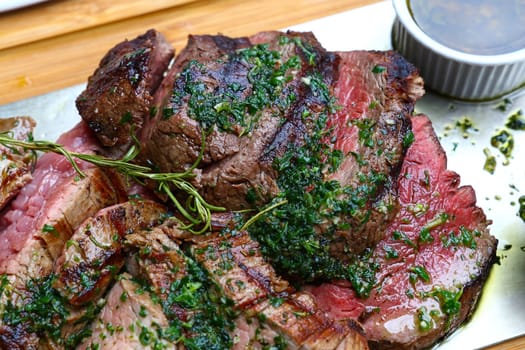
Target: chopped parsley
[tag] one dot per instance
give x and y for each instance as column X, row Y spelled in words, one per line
column 232, row 106
column 44, row 312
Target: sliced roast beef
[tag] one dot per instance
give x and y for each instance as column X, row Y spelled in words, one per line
column 235, row 263
column 17, row 163
column 433, row 261
column 118, row 99
column 93, row 255
column 48, row 209
column 37, row 224
column 268, row 311
column 375, row 92
column 131, row 319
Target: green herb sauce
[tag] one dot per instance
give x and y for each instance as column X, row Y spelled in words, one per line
column 44, row 311
column 211, row 315
column 516, row 121
column 231, row 109
column 503, row 141
column 521, row 211
column 490, row 161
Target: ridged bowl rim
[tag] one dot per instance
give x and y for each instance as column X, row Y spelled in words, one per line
column 404, row 16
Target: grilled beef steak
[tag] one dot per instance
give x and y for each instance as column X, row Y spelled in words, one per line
column 353, row 190
column 256, row 118
column 433, row 261
column 17, row 163
column 215, row 90
column 118, row 98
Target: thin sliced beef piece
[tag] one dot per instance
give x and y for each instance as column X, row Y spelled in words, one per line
column 433, row 261
column 16, row 163
column 131, row 319
column 376, row 92
column 36, row 225
column 117, row 101
column 94, row 254
column 198, row 314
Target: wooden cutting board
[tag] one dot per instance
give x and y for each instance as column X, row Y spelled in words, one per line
column 59, row 43
column 54, row 18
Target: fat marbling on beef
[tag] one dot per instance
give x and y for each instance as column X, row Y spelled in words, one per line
column 433, row 261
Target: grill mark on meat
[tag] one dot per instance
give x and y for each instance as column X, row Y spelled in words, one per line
column 16, row 163
column 129, row 320
column 252, row 284
column 94, row 254
column 232, row 166
column 390, row 315
column 175, row 143
column 240, row 269
column 119, row 94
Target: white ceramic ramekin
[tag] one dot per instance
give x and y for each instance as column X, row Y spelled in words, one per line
column 451, row 72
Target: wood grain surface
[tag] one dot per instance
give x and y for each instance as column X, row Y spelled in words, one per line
column 65, row 59
column 65, row 16
column 59, row 43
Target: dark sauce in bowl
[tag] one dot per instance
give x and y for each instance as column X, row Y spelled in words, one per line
column 482, row 27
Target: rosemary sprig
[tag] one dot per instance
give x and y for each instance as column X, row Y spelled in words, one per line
column 261, row 213
column 197, row 211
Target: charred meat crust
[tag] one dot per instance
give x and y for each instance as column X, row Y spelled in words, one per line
column 118, row 99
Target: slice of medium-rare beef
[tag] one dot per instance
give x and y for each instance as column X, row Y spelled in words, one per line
column 36, row 225
column 339, row 188
column 16, row 163
column 130, row 319
column 52, row 205
column 432, row 263
column 375, row 93
column 94, row 254
column 118, row 98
